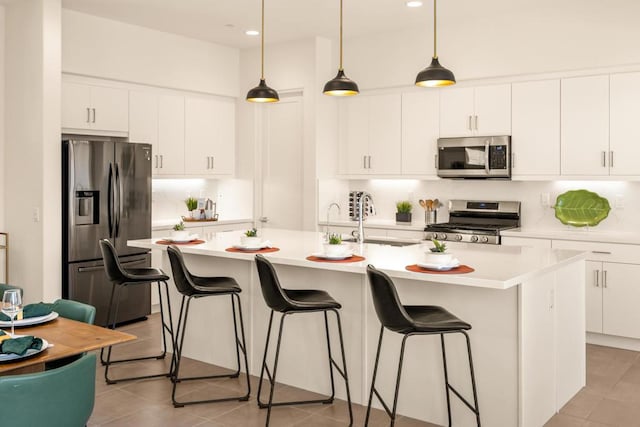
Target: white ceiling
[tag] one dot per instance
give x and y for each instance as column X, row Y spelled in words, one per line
column 224, row 21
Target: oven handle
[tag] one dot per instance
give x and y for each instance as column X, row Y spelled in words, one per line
column 486, row 156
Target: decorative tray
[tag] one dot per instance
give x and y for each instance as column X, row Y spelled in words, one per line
column 581, row 208
column 187, row 219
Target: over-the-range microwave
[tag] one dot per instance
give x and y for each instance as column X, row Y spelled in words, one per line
column 474, row 157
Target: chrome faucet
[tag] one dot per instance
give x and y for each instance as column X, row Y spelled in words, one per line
column 326, row 233
column 364, row 196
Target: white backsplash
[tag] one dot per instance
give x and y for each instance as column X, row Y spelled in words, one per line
column 624, row 198
column 234, row 197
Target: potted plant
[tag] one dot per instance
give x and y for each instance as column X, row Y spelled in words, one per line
column 403, row 211
column 438, row 254
column 179, row 233
column 192, row 207
column 334, row 247
column 250, row 238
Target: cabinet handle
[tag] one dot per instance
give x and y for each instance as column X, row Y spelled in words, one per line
column 476, row 122
column 369, row 162
column 161, row 161
column 208, row 162
column 212, row 162
column 596, row 276
column 604, row 159
column 604, row 278
column 601, row 252
column 94, row 115
column 469, row 124
column 611, row 158
column 88, row 115
column 364, row 162
column 156, row 156
column 435, row 161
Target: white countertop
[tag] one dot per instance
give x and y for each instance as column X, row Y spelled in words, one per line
column 167, row 224
column 579, row 234
column 377, row 223
column 496, row 266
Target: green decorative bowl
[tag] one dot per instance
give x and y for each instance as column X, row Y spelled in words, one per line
column 581, row 208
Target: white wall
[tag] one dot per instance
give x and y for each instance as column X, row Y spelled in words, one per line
column 104, row 48
column 2, row 129
column 32, row 148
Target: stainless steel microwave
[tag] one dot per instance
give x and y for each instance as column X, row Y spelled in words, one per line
column 474, row 157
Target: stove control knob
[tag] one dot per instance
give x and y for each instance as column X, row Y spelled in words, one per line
column 441, row 236
column 458, row 237
column 484, row 239
column 474, row 238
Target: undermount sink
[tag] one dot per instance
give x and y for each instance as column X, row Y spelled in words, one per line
column 386, row 241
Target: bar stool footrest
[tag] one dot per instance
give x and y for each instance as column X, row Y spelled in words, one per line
column 296, row 402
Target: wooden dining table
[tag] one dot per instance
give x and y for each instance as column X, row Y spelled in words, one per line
column 66, row 338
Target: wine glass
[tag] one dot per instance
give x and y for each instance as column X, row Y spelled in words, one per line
column 11, row 305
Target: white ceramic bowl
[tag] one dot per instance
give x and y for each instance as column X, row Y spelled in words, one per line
column 336, row 250
column 180, row 235
column 438, row 258
column 250, row 242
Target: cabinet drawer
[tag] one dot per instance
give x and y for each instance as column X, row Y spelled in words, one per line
column 524, row 241
column 610, row 252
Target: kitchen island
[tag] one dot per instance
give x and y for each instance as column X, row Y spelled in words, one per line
column 526, row 306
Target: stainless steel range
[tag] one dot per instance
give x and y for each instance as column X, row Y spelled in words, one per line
column 476, row 221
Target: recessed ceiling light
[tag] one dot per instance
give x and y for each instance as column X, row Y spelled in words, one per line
column 414, row 3
column 252, row 33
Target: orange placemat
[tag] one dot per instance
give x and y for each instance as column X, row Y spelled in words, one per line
column 461, row 269
column 256, row 251
column 169, row 242
column 353, row 258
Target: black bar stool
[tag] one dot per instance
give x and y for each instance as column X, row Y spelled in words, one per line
column 121, row 277
column 191, row 286
column 414, row 320
column 292, row 301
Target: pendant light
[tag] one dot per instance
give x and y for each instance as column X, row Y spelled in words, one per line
column 262, row 92
column 435, row 74
column 340, row 85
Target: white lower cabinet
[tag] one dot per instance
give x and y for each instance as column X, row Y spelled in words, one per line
column 526, row 241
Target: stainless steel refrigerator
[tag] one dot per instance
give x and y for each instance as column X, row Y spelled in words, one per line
column 106, row 193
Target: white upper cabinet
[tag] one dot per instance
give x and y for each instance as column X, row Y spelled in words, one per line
column 585, row 126
column 482, row 110
column 370, row 135
column 420, row 130
column 143, row 118
column 209, row 136
column 624, row 140
column 535, row 122
column 94, row 108
column 171, row 135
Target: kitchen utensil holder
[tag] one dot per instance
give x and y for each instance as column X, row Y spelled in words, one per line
column 430, row 217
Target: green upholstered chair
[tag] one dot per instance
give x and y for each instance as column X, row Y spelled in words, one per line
column 75, row 310
column 5, row 287
column 62, row 397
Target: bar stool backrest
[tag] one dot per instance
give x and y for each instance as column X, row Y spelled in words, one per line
column 181, row 276
column 111, row 264
column 272, row 292
column 386, row 302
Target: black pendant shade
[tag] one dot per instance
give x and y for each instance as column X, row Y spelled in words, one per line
column 262, row 93
column 435, row 75
column 341, row 85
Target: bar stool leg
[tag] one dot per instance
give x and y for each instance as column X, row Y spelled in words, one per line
column 373, row 379
column 331, row 362
column 275, row 369
column 476, row 408
column 264, row 362
column 395, row 397
column 446, row 378
column 344, row 366
column 242, row 346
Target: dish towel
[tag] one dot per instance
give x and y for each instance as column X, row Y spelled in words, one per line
column 20, row 345
column 31, row 310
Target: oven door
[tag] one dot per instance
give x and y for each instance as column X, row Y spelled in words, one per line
column 477, row 157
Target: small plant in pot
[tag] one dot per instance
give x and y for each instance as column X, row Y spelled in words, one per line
column 334, row 247
column 250, row 238
column 192, row 207
column 179, row 233
column 438, row 254
column 403, row 211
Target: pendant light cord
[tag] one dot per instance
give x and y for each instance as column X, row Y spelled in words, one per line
column 340, row 68
column 262, row 46
column 435, row 52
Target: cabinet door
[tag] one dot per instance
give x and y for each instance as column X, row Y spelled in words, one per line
column 199, row 135
column 143, row 122
column 624, row 143
column 420, row 130
column 110, row 109
column 76, row 108
column 584, row 136
column 535, row 137
column 171, row 134
column 492, row 110
column 224, row 153
column 593, row 295
column 456, row 112
column 354, row 134
column 385, row 135
column 621, row 294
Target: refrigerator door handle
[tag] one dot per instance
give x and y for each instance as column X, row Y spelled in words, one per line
column 118, row 212
column 110, row 201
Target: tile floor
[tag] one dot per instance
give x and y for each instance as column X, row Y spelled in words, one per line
column 611, row 397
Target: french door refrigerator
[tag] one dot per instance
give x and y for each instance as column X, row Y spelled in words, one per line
column 106, row 194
